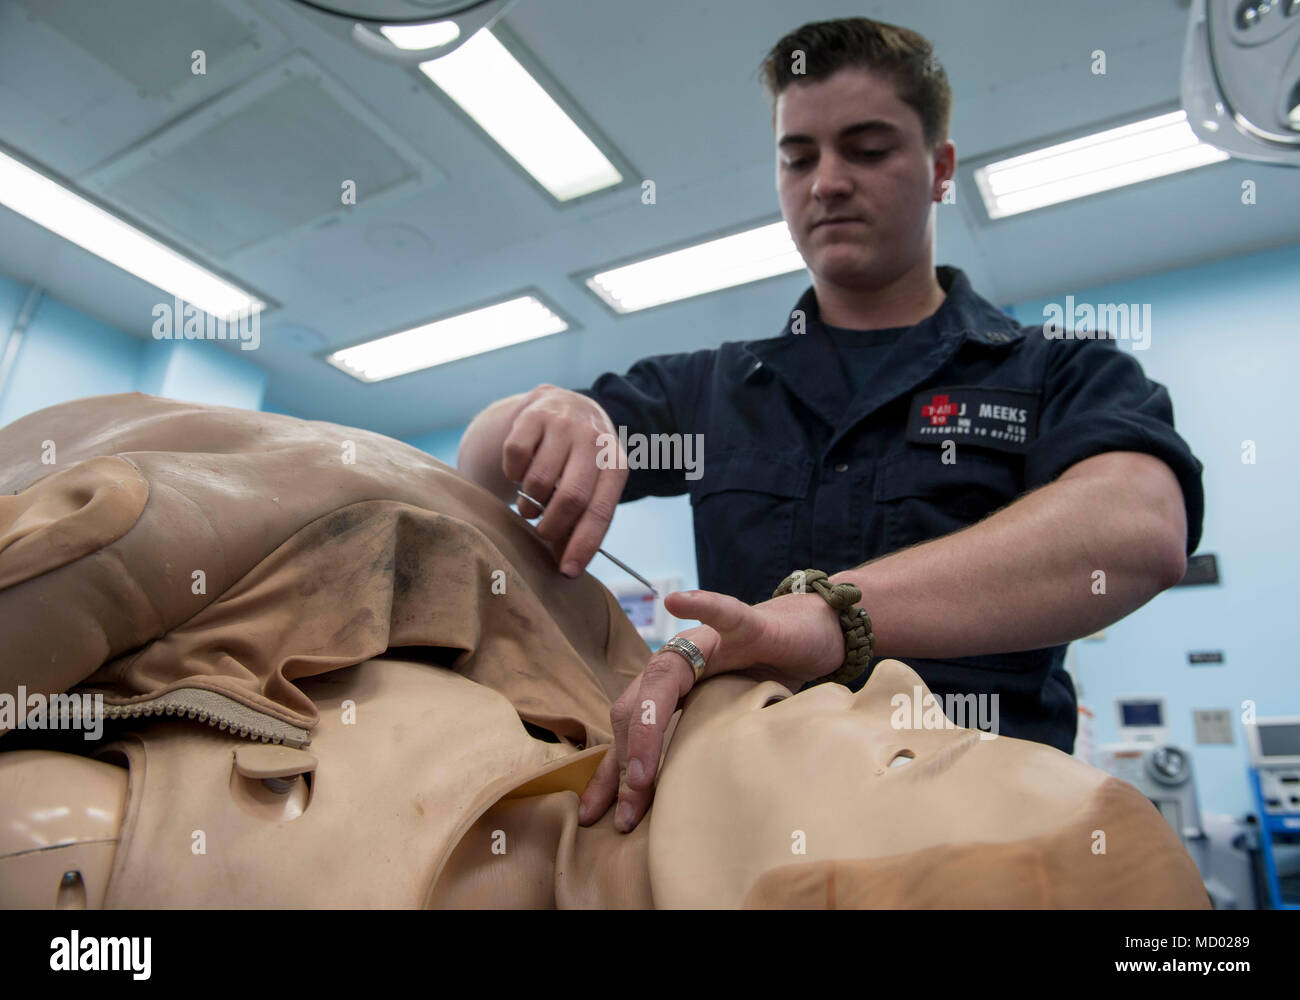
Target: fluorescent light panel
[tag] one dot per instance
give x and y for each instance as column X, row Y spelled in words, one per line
column 474, row 332
column 492, row 87
column 1107, row 160
column 722, row 263
column 71, row 216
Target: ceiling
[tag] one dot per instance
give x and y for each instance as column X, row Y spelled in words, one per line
column 290, row 107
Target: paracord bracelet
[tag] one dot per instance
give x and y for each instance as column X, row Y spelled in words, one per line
column 858, row 638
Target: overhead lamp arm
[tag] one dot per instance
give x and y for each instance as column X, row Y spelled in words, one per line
column 469, row 19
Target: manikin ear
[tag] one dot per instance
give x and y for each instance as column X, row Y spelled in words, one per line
column 735, row 691
column 725, row 696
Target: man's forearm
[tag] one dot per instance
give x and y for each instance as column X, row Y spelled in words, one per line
column 479, row 457
column 1058, row 564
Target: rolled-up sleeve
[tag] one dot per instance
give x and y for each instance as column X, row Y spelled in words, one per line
column 1096, row 399
column 658, row 395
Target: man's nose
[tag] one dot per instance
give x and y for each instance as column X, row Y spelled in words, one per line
column 832, row 180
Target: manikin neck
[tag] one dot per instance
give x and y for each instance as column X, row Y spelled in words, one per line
column 530, row 853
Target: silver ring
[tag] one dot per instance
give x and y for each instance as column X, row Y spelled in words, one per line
column 687, row 650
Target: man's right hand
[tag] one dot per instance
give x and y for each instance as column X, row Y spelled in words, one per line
column 551, row 450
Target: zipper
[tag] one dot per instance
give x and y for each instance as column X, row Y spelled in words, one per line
column 217, row 710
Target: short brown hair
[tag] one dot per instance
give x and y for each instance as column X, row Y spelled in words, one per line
column 905, row 57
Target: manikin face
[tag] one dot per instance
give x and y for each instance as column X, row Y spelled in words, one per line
column 848, row 146
column 756, row 779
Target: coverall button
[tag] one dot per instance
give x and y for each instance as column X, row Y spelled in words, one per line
column 842, row 467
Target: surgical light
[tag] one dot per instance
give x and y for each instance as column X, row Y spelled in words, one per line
column 476, row 332
column 414, row 37
column 1240, row 81
column 1141, row 151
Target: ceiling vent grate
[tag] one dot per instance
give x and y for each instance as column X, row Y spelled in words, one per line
column 278, row 153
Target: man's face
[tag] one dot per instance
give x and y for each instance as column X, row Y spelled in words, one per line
column 848, row 147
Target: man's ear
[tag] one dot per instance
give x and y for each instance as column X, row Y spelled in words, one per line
column 945, row 167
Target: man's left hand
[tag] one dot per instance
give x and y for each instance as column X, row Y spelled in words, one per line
column 795, row 638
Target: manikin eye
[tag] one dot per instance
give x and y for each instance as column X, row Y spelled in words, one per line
column 902, row 757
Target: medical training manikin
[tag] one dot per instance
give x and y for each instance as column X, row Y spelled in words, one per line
column 336, row 674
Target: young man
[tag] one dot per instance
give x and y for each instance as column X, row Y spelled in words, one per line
column 992, row 492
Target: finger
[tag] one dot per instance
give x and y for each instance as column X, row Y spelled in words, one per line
column 572, row 493
column 601, row 790
column 527, row 508
column 594, row 523
column 666, row 678
column 619, row 716
column 735, row 621
column 543, row 471
column 521, row 444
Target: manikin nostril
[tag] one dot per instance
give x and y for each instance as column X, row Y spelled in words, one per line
column 71, row 894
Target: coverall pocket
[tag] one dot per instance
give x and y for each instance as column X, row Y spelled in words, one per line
column 922, row 498
column 744, row 508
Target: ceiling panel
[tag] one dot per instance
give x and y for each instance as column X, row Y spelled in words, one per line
column 149, row 43
column 263, row 160
column 673, row 87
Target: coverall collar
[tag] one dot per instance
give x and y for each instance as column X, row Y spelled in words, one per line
column 798, row 359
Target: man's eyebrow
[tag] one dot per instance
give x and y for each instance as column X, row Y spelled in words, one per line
column 857, row 128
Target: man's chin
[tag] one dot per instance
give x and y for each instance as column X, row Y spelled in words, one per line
column 848, row 268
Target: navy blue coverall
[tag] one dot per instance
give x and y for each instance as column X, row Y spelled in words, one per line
column 823, row 448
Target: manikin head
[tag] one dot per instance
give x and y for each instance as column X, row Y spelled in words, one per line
column 757, row 779
column 860, row 114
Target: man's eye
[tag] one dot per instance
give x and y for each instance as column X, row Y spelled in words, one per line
column 872, row 154
column 795, row 164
